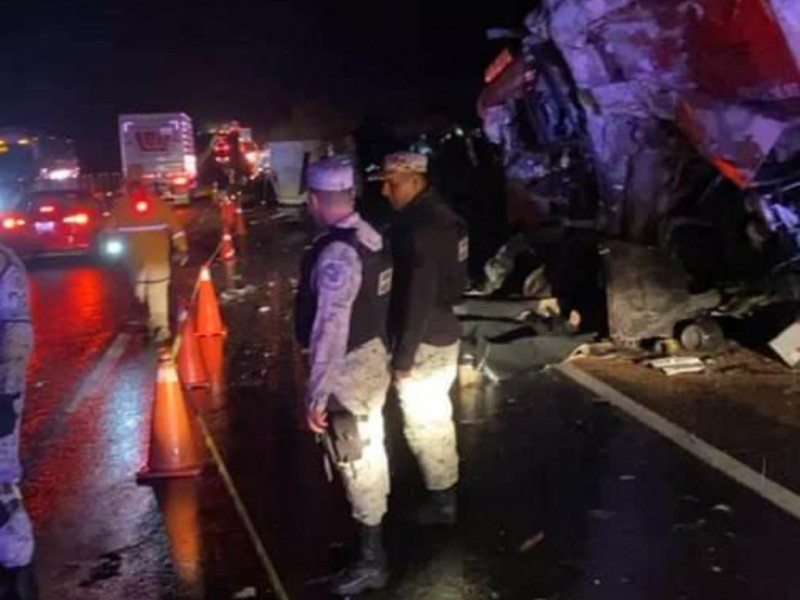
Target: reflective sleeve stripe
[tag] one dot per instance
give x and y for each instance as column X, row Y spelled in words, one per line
column 135, row 228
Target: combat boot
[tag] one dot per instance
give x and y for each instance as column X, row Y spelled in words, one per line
column 369, row 571
column 440, row 508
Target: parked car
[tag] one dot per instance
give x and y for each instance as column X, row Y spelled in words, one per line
column 52, row 223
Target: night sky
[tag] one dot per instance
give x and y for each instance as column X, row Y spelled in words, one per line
column 73, row 66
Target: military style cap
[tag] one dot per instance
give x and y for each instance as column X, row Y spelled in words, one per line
column 334, row 174
column 401, row 163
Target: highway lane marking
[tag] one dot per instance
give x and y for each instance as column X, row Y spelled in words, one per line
column 771, row 491
column 90, row 387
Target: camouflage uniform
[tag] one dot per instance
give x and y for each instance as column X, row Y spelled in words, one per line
column 359, row 379
column 428, row 414
column 16, row 346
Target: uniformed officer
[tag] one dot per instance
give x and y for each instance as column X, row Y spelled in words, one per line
column 16, row 347
column 340, row 315
column 430, row 248
column 148, row 224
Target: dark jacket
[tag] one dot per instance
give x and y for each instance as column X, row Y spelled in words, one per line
column 429, row 245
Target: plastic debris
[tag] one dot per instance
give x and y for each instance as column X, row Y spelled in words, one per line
column 248, row 592
column 531, row 543
column 723, row 508
column 676, row 365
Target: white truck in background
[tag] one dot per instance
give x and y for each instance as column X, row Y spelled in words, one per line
column 163, row 144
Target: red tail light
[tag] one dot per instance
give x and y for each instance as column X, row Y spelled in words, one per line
column 78, row 219
column 12, row 223
column 142, row 206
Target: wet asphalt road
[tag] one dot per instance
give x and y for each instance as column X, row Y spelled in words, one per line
column 561, row 496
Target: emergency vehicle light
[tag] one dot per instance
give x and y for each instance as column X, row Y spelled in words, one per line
column 142, row 206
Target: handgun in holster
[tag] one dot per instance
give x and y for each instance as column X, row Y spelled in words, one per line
column 341, row 439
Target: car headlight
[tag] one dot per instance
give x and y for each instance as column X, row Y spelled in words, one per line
column 114, row 247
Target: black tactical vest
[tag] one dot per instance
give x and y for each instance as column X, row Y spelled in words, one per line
column 369, row 314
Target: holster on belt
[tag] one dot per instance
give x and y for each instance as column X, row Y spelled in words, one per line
column 342, row 440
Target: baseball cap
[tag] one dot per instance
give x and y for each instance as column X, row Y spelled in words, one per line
column 333, row 174
column 402, row 163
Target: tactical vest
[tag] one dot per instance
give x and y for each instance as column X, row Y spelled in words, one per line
column 454, row 277
column 369, row 313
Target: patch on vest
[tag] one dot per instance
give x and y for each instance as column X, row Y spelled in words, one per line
column 463, row 249
column 385, row 282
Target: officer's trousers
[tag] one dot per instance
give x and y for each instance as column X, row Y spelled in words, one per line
column 16, row 535
column 151, row 286
column 427, row 412
column 361, row 387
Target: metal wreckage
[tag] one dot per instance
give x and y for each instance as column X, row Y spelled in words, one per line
column 666, row 134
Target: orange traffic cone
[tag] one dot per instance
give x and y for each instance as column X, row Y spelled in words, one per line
column 173, row 447
column 228, row 251
column 241, row 226
column 209, row 317
column 191, row 368
column 212, row 348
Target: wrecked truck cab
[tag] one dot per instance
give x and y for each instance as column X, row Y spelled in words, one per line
column 681, row 122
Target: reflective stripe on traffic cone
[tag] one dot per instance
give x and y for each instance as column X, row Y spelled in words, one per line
column 209, row 316
column 228, row 250
column 173, row 446
column 191, row 368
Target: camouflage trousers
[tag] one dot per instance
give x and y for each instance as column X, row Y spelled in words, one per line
column 427, row 412
column 361, row 388
column 16, row 534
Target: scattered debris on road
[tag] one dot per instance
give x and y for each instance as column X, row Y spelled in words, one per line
column 675, row 365
column 531, row 543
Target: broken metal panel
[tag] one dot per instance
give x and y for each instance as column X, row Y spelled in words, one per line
column 509, row 85
column 697, row 63
column 788, row 17
column 736, row 138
